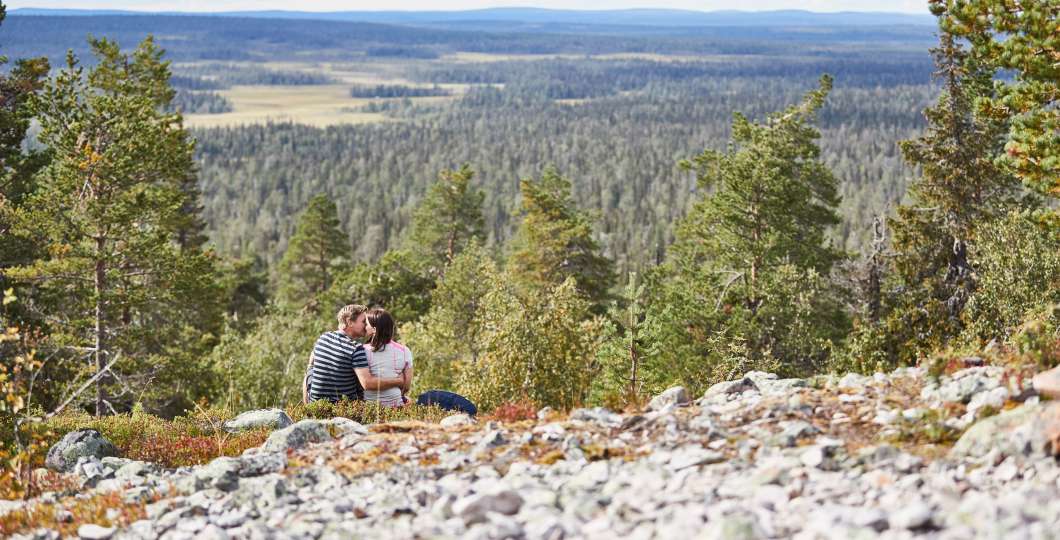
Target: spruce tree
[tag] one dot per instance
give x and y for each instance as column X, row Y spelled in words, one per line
column 103, row 212
column 744, row 283
column 317, row 254
column 447, row 219
column 960, row 189
column 554, row 242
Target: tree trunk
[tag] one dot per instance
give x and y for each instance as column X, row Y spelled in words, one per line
column 100, row 353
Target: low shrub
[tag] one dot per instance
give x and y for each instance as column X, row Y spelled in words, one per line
column 366, row 412
column 190, row 440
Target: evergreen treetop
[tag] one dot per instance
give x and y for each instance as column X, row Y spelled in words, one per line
column 554, row 241
column 317, row 254
column 768, row 201
column 448, row 218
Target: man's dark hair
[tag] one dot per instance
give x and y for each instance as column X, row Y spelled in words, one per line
column 383, row 324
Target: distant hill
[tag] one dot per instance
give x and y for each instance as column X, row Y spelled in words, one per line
column 524, row 17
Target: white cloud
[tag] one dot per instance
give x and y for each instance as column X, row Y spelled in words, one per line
column 907, row 6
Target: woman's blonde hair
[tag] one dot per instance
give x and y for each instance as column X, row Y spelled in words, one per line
column 348, row 314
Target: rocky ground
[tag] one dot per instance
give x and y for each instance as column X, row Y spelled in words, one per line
column 760, row 457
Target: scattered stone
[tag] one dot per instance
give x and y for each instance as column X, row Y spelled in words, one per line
column 261, row 418
column 63, row 456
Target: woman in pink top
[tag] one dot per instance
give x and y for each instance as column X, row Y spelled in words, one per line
column 386, row 356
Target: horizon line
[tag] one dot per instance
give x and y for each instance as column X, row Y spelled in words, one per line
column 495, row 8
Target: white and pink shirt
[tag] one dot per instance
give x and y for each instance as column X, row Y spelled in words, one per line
column 387, row 364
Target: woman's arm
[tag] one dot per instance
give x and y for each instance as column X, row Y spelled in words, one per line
column 371, row 382
column 407, row 377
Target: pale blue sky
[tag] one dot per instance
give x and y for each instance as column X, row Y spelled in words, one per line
column 903, row 6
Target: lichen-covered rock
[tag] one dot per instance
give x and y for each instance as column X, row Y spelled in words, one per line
column 261, row 418
column 341, row 427
column 1031, row 430
column 297, row 436
column 64, row 454
column 676, row 396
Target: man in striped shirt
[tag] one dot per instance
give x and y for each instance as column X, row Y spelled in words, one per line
column 338, row 367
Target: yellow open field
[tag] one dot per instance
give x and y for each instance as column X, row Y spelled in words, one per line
column 315, row 105
column 331, row 104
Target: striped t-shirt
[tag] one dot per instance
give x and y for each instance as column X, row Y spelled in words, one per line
column 335, row 356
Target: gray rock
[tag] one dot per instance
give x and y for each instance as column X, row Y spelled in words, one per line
column 793, row 431
column 455, row 420
column 730, row 387
column 92, row 531
column 135, row 468
column 733, row 527
column 671, row 397
column 261, row 418
column 597, row 415
column 475, row 508
column 693, row 456
column 1026, row 431
column 297, row 436
column 914, row 516
column 779, row 386
column 342, row 427
column 78, row 444
column 221, row 473
column 257, row 465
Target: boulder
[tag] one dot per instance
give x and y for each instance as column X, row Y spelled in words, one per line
column 78, row 444
column 671, row 397
column 296, row 436
column 1029, row 431
column 261, row 418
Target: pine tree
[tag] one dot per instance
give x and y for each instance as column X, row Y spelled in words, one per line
column 316, row 256
column 554, row 242
column 447, row 219
column 744, row 283
column 1019, row 36
column 103, row 213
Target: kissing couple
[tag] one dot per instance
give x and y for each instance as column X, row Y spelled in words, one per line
column 341, row 367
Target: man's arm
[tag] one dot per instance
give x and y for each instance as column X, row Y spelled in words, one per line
column 371, row 382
